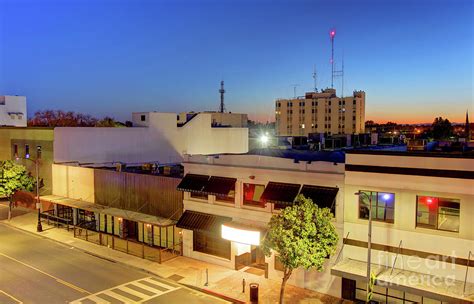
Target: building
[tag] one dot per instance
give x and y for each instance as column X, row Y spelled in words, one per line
column 229, row 200
column 219, row 119
column 133, row 211
column 422, row 234
column 320, row 112
column 155, row 138
column 26, row 145
column 13, row 111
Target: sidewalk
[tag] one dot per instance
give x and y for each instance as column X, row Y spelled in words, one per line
column 222, row 281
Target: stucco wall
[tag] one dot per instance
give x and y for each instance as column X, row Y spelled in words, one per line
column 73, row 182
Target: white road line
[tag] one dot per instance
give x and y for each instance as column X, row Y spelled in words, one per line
column 134, row 292
column 164, row 285
column 118, row 296
column 146, row 287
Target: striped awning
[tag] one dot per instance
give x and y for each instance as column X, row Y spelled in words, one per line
column 281, row 193
column 202, row 222
column 323, row 197
column 218, row 185
column 193, row 183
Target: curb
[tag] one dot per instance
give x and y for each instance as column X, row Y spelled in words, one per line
column 100, row 256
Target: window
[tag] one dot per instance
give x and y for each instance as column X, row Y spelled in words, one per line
column 227, row 198
column 437, row 213
column 38, row 152
column 383, row 204
column 27, row 151
column 252, row 194
column 199, row 195
column 329, row 102
column 15, row 150
column 142, row 117
column 211, row 244
column 354, row 102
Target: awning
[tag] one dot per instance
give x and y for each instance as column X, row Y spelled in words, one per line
column 193, row 183
column 220, row 185
column 321, row 196
column 280, row 193
column 125, row 214
column 202, row 222
column 446, row 288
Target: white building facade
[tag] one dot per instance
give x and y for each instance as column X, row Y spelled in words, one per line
column 13, row 111
column 229, row 200
column 422, row 230
column 155, row 137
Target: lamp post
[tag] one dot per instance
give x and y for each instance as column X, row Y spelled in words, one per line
column 39, row 227
column 369, row 238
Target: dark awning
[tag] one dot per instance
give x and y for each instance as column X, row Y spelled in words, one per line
column 193, row 183
column 202, row 222
column 321, row 196
column 280, row 193
column 218, row 185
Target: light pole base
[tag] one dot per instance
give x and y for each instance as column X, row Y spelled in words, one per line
column 39, row 227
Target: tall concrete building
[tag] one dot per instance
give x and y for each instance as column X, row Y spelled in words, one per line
column 320, row 112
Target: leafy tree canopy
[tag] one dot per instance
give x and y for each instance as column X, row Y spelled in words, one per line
column 58, row 118
column 14, row 177
column 441, row 128
column 302, row 235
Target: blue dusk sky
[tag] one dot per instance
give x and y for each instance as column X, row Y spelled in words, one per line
column 113, row 57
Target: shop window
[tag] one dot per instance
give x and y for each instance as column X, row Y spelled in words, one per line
column 252, row 194
column 437, row 213
column 383, row 204
column 212, row 244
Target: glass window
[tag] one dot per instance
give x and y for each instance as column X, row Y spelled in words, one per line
column 142, row 117
column 252, row 194
column 15, row 150
column 27, row 151
column 230, row 198
column 38, row 152
column 199, row 195
column 211, row 244
column 383, row 204
column 437, row 213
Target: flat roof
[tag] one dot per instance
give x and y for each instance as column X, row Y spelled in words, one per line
column 468, row 154
column 125, row 214
column 301, row 155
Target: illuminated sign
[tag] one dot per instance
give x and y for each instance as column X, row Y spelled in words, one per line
column 239, row 235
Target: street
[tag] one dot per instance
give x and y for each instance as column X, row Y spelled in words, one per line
column 37, row 270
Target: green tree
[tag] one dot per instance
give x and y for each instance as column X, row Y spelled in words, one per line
column 302, row 235
column 14, row 177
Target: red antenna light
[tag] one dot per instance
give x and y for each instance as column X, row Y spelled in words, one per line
column 332, row 33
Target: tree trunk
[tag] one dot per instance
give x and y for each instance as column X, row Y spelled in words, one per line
column 286, row 276
column 9, row 208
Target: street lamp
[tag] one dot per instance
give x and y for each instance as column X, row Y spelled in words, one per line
column 39, row 227
column 369, row 238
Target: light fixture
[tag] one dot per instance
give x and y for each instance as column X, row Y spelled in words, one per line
column 386, row 196
column 264, row 139
column 243, row 236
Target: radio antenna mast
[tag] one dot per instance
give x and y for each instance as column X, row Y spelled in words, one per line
column 222, row 91
column 315, row 79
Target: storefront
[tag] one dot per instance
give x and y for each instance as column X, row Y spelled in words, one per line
column 135, row 233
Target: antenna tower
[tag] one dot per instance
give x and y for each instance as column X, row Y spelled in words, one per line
column 222, row 91
column 315, row 79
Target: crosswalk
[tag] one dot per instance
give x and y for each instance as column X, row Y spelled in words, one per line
column 137, row 291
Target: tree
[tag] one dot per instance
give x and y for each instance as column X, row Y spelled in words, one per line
column 303, row 236
column 14, row 177
column 441, row 128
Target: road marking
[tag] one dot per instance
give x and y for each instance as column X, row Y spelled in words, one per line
column 46, row 274
column 11, row 297
column 155, row 288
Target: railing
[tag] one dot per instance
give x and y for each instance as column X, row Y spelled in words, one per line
column 467, row 269
column 138, row 249
column 56, row 220
column 396, row 256
column 342, row 247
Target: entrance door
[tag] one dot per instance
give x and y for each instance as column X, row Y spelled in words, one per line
column 256, row 255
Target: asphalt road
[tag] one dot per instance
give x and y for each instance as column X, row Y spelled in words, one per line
column 37, row 270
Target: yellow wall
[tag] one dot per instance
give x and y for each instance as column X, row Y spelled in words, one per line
column 73, row 182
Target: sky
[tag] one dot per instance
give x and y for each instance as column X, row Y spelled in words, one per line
column 414, row 59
